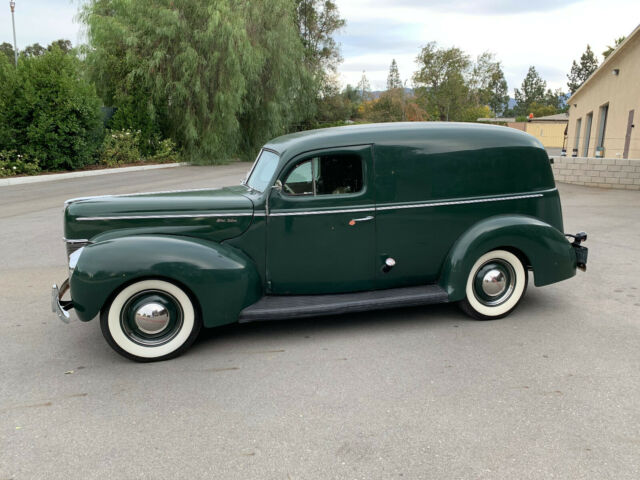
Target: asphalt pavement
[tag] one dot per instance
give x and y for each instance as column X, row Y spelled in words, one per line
column 552, row 391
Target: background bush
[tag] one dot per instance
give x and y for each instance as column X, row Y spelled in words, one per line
column 12, row 163
column 50, row 112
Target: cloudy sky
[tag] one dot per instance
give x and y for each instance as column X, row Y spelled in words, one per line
column 546, row 33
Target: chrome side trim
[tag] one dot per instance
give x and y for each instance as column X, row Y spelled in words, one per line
column 75, row 240
column 77, row 199
column 459, row 202
column 322, row 212
column 407, row 205
column 146, row 217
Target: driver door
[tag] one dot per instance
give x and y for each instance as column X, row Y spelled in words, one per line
column 321, row 224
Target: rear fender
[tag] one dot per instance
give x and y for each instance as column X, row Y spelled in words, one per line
column 221, row 279
column 548, row 252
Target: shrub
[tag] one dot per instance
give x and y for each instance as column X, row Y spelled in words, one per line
column 120, row 147
column 12, row 164
column 50, row 111
column 166, row 152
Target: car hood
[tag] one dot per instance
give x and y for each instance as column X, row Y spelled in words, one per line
column 215, row 214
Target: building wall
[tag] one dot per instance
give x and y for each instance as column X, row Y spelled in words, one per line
column 518, row 125
column 551, row 134
column 622, row 93
column 598, row 172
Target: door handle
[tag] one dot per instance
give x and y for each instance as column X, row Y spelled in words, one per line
column 363, row 219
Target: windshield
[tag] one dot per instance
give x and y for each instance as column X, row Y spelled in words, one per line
column 263, row 171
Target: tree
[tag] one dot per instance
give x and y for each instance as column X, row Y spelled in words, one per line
column 50, row 112
column 393, row 79
column 64, row 45
column 498, row 93
column 7, row 49
column 441, row 81
column 34, row 50
column 581, row 72
column 317, row 21
column 555, row 99
column 219, row 78
column 532, row 90
column 364, row 88
column 610, row 48
column 487, row 84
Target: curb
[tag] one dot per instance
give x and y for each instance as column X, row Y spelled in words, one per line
column 5, row 182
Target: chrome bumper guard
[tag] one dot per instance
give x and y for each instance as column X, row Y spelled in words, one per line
column 60, row 307
column 581, row 252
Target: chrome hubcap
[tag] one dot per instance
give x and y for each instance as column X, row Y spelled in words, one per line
column 152, row 318
column 494, row 283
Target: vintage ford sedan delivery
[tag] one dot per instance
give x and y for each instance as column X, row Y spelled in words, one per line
column 329, row 221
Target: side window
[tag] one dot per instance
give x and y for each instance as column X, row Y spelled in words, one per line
column 326, row 175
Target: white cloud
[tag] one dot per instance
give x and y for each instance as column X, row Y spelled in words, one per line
column 546, row 34
column 40, row 21
column 549, row 34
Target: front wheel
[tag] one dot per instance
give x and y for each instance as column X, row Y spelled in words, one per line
column 495, row 286
column 150, row 320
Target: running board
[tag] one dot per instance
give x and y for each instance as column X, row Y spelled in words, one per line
column 272, row 307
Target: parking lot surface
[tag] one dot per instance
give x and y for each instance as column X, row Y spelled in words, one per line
column 552, row 391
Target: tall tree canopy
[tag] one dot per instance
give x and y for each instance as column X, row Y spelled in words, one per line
column 220, row 78
column 393, row 79
column 317, row 22
column 532, row 91
column 487, row 84
column 580, row 72
column 441, row 80
column 450, row 86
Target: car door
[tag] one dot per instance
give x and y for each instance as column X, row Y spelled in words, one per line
column 321, row 224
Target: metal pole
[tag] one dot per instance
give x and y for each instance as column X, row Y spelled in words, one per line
column 12, row 4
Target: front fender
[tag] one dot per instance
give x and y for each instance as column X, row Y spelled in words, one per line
column 547, row 250
column 221, row 278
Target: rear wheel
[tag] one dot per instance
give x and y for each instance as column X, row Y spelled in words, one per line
column 150, row 320
column 496, row 284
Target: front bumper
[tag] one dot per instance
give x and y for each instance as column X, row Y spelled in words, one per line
column 62, row 308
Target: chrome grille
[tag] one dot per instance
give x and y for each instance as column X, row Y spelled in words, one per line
column 74, row 245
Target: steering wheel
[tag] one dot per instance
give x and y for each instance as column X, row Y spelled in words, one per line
column 288, row 189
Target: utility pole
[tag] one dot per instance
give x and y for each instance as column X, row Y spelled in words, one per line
column 12, row 4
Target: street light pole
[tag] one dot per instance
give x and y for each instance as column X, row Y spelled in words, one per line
column 12, row 4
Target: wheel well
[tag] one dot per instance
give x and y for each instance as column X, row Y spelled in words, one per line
column 187, row 290
column 518, row 253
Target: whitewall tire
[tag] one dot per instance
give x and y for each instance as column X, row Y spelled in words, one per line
column 150, row 320
column 495, row 285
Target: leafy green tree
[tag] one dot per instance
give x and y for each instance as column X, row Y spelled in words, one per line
column 532, row 91
column 611, row 48
column 393, row 79
column 487, row 84
column 49, row 111
column 318, row 21
column 219, row 78
column 582, row 71
column 555, row 99
column 34, row 50
column 498, row 92
column 7, row 49
column 441, row 81
column 64, row 45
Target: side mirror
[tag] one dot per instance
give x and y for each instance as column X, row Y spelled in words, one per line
column 277, row 186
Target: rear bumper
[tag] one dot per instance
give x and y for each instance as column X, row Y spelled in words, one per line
column 581, row 252
column 62, row 308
